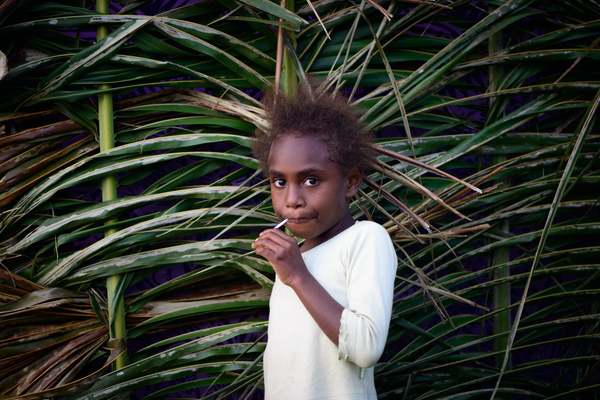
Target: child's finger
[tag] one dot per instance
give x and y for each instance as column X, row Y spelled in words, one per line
column 276, row 246
column 273, row 230
column 268, row 242
column 276, row 235
column 268, row 249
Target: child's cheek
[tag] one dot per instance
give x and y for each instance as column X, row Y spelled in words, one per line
column 277, row 204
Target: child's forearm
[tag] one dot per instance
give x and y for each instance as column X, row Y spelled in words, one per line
column 321, row 306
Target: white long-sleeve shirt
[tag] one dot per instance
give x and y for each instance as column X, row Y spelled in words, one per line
column 357, row 268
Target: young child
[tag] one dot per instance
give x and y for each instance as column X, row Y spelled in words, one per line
column 331, row 303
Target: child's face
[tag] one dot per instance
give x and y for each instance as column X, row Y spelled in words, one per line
column 309, row 189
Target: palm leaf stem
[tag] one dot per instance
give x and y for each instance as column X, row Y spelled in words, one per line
column 501, row 293
column 116, row 305
column 289, row 72
column 564, row 181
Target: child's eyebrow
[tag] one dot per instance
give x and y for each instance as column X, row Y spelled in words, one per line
column 308, row 171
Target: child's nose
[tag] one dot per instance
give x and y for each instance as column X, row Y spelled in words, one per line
column 294, row 198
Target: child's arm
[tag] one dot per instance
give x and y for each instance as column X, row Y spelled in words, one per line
column 283, row 253
column 370, row 267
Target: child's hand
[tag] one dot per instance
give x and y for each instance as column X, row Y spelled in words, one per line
column 283, row 253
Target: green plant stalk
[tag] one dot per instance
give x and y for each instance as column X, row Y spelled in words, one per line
column 501, row 256
column 116, row 307
column 289, row 81
column 502, row 320
column 564, row 181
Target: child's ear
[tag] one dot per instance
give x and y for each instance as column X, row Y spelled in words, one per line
column 355, row 177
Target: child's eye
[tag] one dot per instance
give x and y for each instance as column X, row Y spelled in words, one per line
column 311, row 181
column 278, row 182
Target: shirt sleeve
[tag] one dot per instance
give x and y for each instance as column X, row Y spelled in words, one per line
column 371, row 271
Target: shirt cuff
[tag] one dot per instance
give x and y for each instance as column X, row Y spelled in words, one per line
column 343, row 335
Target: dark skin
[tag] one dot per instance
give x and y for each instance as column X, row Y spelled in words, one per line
column 313, row 193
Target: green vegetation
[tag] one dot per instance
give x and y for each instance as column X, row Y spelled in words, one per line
column 498, row 292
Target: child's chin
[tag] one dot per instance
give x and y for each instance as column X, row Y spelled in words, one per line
column 299, row 233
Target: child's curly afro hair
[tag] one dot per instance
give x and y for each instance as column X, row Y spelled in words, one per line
column 318, row 114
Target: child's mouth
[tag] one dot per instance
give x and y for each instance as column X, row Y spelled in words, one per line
column 295, row 221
